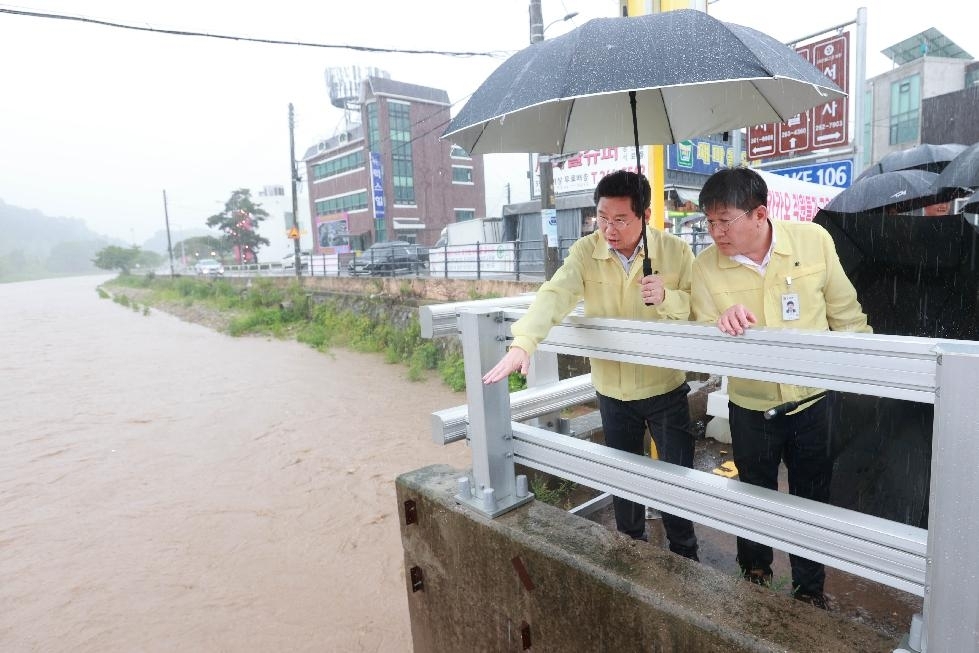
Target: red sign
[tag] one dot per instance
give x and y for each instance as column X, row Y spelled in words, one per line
column 821, row 127
column 829, row 121
column 761, row 141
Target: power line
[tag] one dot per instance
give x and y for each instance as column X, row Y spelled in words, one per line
column 231, row 37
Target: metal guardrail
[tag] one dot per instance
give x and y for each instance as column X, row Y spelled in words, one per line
column 519, row 259
column 938, row 564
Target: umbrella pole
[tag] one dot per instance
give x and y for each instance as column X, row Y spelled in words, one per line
column 647, row 265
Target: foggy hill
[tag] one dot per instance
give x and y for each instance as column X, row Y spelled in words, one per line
column 35, row 245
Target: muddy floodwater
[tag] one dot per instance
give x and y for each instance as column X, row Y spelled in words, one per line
column 164, row 487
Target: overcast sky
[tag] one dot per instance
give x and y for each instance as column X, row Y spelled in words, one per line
column 95, row 122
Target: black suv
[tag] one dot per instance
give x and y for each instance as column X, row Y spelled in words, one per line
column 387, row 258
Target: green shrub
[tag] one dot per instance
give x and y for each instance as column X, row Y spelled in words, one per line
column 453, row 372
column 558, row 496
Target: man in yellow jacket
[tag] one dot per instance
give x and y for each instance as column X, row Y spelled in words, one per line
column 605, row 269
column 774, row 274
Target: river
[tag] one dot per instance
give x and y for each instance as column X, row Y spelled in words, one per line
column 166, row 487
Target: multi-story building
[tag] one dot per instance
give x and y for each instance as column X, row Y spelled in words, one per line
column 913, row 103
column 391, row 177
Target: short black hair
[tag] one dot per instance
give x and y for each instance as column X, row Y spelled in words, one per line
column 623, row 183
column 742, row 188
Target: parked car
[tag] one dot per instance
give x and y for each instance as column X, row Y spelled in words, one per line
column 289, row 261
column 386, row 258
column 209, row 267
column 421, row 252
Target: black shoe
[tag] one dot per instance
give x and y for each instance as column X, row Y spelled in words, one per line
column 686, row 552
column 757, row 577
column 815, row 599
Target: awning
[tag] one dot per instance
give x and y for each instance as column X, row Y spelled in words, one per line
column 406, row 224
column 682, row 195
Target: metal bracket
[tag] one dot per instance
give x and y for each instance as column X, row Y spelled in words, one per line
column 525, row 635
column 417, row 582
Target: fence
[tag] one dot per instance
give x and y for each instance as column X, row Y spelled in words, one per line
column 937, row 564
column 512, row 260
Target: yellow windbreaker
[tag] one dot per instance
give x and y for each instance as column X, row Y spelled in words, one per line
column 595, row 274
column 803, row 262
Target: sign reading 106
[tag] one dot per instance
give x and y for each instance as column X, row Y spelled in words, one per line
column 834, row 173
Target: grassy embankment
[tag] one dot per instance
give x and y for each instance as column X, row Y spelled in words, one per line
column 268, row 309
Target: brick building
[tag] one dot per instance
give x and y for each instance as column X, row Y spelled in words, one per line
column 390, row 177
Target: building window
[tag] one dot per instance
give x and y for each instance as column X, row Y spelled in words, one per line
column 972, row 77
column 465, row 214
column 458, row 153
column 402, row 173
column 462, row 175
column 868, row 128
column 905, row 108
column 350, row 202
column 373, row 128
column 338, row 165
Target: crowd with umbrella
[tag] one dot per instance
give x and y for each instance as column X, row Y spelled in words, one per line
column 625, row 81
column 916, row 272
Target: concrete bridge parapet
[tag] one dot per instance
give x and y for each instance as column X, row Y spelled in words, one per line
column 540, row 579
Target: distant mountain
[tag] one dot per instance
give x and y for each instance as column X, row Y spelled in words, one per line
column 35, row 245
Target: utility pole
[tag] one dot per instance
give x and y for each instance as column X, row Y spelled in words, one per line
column 548, row 212
column 166, row 217
column 293, row 176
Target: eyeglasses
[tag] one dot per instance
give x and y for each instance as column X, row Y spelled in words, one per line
column 618, row 223
column 724, row 225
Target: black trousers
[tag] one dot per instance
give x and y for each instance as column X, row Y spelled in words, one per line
column 668, row 419
column 802, row 440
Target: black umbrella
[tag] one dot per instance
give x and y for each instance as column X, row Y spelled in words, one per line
column 872, row 240
column 658, row 78
column 962, row 171
column 971, row 204
column 926, row 156
column 899, row 191
column 914, row 276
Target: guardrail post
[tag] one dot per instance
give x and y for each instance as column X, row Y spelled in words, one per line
column 483, row 337
column 544, row 370
column 479, row 268
column 951, row 586
column 516, row 258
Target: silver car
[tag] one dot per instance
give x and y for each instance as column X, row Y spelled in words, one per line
column 209, row 267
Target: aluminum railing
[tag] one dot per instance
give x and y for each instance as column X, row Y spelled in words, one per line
column 937, row 564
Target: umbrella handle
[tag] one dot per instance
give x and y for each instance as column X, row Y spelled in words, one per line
column 647, row 265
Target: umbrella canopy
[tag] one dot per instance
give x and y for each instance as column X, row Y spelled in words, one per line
column 926, row 156
column 914, row 275
column 571, row 93
column 971, row 204
column 962, row 171
column 899, row 191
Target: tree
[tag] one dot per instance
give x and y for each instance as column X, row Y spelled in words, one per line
column 238, row 222
column 114, row 257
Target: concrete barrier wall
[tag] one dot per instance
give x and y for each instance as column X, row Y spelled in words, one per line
column 540, row 579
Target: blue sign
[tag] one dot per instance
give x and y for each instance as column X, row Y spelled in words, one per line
column 377, row 185
column 702, row 157
column 834, row 173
